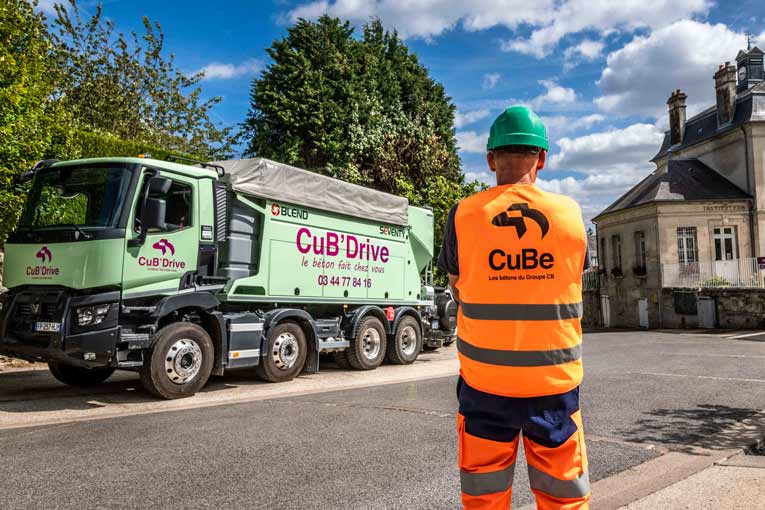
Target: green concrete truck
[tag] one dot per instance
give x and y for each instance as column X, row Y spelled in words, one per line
column 180, row 270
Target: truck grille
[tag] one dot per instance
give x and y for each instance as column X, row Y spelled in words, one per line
column 33, row 307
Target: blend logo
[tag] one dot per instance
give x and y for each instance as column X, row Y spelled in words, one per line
column 44, row 270
column 528, row 258
column 163, row 263
column 288, row 212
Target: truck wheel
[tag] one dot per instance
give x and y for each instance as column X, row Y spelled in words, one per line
column 286, row 352
column 367, row 350
column 341, row 358
column 405, row 345
column 79, row 376
column 180, row 362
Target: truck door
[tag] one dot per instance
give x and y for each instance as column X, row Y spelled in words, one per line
column 157, row 266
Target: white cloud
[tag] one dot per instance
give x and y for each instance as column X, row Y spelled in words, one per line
column 471, row 141
column 556, row 94
column 624, row 150
column 587, row 50
column 559, row 125
column 639, row 77
column 429, row 18
column 575, row 16
column 467, row 118
column 218, row 70
column 594, row 192
column 490, row 81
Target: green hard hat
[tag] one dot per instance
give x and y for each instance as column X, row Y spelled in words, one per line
column 517, row 125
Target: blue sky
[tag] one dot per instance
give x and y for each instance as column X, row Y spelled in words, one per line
column 599, row 75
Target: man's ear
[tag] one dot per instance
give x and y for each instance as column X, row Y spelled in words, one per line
column 542, row 160
column 490, row 161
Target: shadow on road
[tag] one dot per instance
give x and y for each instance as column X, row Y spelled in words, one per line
column 706, row 426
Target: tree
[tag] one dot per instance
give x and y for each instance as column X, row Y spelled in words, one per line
column 364, row 110
column 123, row 85
column 26, row 55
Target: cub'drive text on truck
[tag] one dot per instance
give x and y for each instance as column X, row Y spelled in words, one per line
column 181, row 271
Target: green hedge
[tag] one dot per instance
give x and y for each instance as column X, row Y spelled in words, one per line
column 75, row 144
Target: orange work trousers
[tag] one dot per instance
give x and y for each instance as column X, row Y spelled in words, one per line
column 490, row 428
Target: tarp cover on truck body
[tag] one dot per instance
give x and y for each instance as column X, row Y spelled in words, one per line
column 276, row 181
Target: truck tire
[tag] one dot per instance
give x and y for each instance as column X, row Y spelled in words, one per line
column 367, row 349
column 341, row 359
column 285, row 354
column 179, row 363
column 78, row 376
column 404, row 346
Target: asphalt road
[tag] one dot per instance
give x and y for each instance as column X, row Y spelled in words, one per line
column 382, row 447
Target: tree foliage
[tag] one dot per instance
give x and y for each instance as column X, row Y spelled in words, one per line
column 123, row 85
column 364, row 110
column 73, row 87
column 25, row 90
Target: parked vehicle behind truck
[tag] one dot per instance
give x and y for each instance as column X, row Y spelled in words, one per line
column 180, row 271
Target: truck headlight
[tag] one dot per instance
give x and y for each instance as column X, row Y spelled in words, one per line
column 91, row 315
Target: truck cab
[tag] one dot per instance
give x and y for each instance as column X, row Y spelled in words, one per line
column 137, row 264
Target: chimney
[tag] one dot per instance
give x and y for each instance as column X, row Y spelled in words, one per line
column 725, row 88
column 676, row 104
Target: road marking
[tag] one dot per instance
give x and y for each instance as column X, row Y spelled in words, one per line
column 711, row 355
column 663, row 374
column 748, row 335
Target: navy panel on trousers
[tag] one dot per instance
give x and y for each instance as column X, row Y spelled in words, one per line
column 545, row 420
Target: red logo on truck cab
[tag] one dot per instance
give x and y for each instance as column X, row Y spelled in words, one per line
column 164, row 246
column 43, row 254
column 276, row 210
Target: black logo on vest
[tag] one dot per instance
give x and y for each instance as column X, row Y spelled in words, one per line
column 528, row 258
column 504, row 219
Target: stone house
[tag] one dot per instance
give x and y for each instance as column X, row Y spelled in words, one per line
column 700, row 216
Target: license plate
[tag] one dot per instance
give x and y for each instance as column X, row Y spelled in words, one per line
column 47, row 327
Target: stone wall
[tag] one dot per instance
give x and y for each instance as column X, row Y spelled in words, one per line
column 592, row 314
column 738, row 308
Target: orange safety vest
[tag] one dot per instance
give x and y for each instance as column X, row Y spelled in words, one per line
column 521, row 254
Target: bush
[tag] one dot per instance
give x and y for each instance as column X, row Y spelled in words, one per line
column 715, row 281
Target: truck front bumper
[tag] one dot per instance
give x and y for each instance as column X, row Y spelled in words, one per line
column 71, row 345
column 88, row 350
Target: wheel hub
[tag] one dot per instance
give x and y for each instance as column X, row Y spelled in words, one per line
column 183, row 361
column 408, row 340
column 286, row 351
column 372, row 343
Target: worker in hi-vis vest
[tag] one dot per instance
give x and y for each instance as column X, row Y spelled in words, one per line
column 515, row 255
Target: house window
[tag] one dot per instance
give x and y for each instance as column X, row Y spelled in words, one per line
column 602, row 254
column 616, row 252
column 640, row 256
column 726, row 247
column 687, row 245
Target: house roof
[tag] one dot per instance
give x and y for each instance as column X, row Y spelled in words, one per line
column 685, row 179
column 750, row 106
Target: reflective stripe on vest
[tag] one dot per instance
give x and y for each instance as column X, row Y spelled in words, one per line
column 521, row 254
column 519, row 358
column 522, row 312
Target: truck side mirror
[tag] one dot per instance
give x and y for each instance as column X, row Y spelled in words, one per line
column 153, row 215
column 152, row 209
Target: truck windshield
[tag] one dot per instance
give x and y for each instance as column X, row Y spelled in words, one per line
column 76, row 197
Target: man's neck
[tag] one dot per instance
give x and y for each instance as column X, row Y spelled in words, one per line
column 527, row 178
